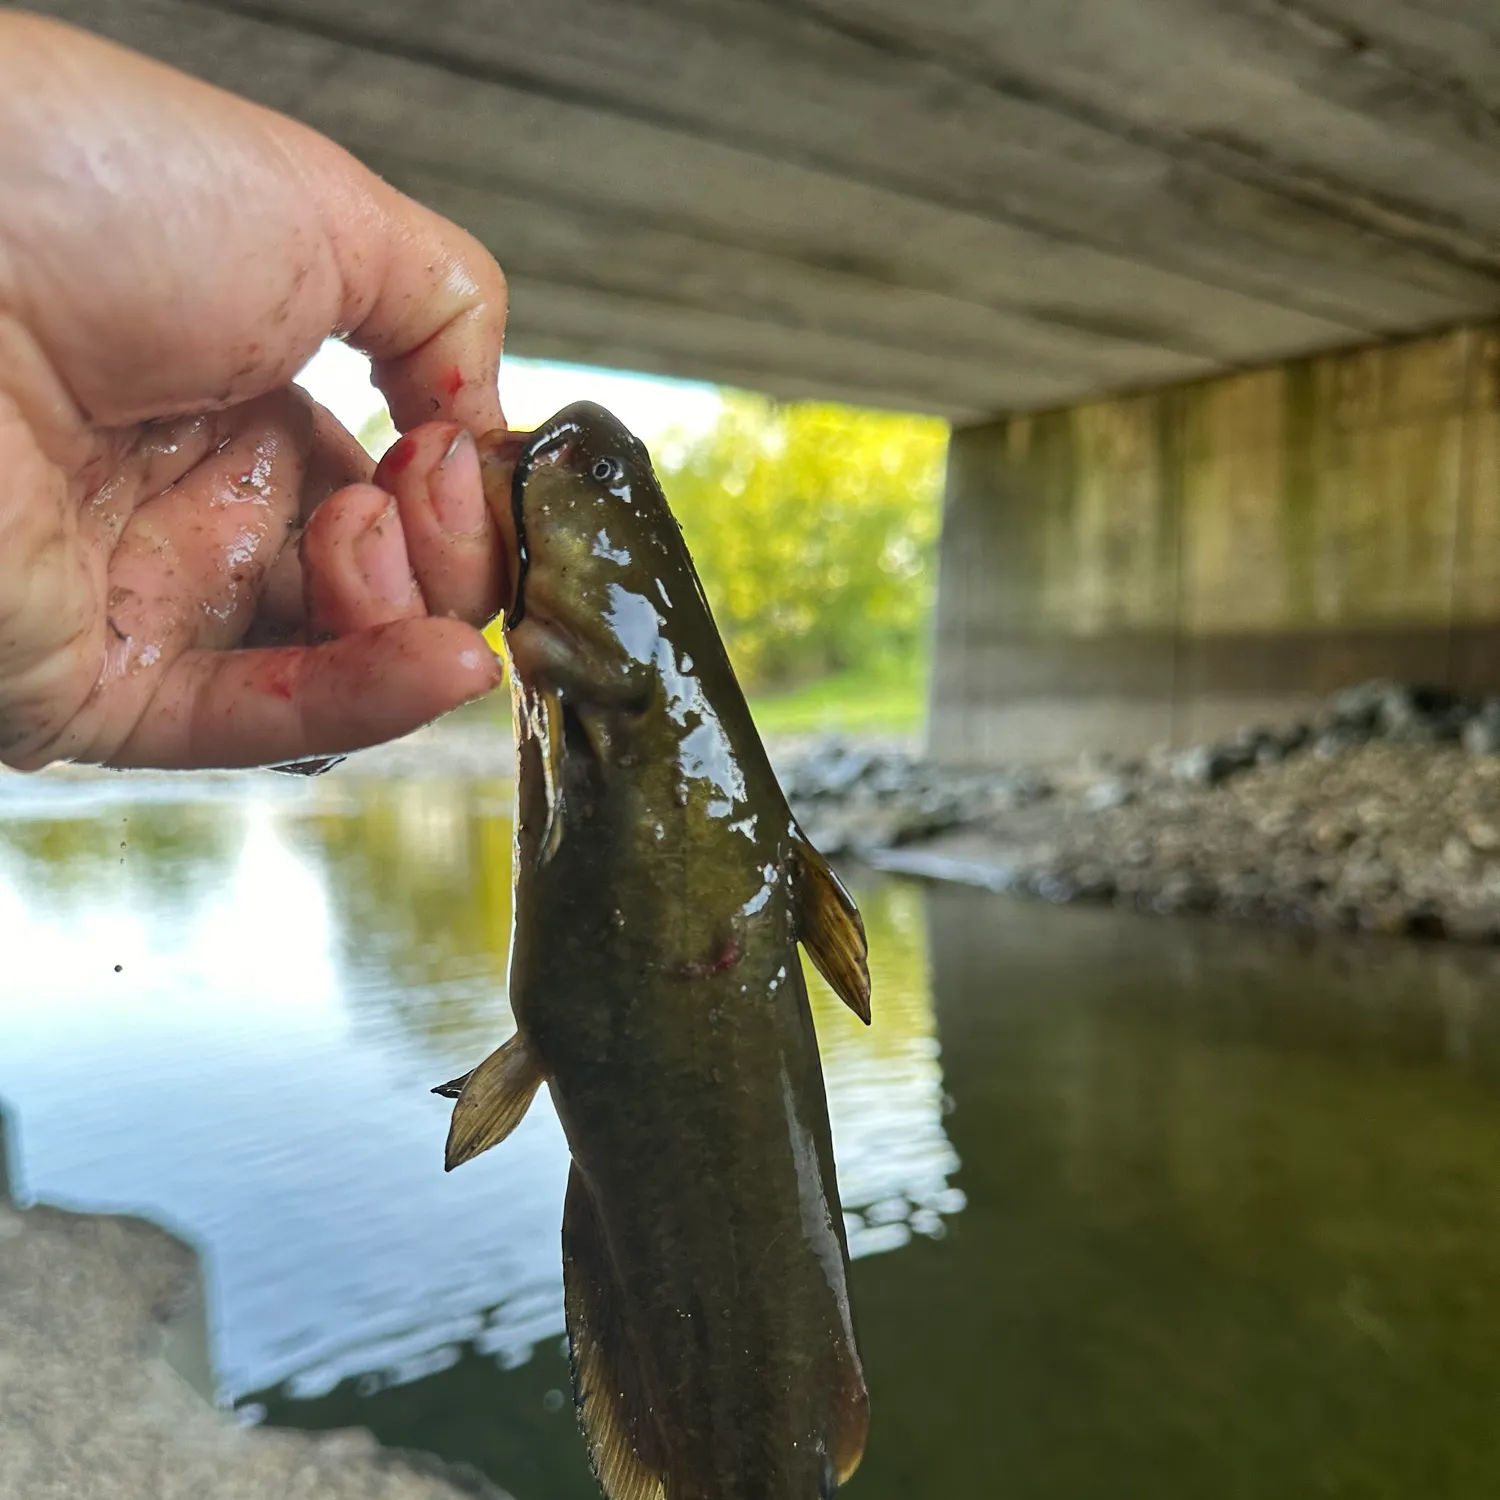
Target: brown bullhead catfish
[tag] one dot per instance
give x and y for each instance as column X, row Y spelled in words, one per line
column 661, row 889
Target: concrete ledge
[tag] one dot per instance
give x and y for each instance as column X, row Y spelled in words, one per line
column 1000, row 700
column 104, row 1372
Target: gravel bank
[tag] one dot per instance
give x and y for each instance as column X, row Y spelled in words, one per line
column 1382, row 814
column 103, row 1375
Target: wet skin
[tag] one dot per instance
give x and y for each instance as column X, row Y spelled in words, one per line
column 661, row 889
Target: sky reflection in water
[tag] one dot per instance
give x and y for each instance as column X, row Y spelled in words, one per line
column 298, row 965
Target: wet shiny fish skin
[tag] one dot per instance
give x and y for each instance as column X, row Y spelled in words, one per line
column 662, row 887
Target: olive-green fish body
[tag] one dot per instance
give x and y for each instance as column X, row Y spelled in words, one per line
column 662, row 886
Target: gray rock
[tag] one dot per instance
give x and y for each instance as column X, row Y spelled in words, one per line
column 1481, row 735
column 1381, row 827
column 103, row 1384
column 1359, row 708
column 1105, row 796
column 1482, row 834
column 1458, row 855
column 1338, row 741
column 1205, row 765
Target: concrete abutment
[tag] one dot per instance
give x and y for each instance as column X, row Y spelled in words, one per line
column 1163, row 567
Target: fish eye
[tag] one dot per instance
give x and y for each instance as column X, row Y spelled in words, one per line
column 607, row 470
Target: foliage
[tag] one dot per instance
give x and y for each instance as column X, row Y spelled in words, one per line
column 813, row 528
column 377, row 433
column 886, row 697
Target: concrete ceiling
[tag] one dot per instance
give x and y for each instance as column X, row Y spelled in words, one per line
column 962, row 206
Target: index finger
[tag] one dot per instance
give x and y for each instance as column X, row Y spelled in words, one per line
column 427, row 302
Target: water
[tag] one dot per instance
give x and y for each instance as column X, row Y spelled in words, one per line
column 1140, row 1208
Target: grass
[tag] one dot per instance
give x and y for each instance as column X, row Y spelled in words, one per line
column 887, row 699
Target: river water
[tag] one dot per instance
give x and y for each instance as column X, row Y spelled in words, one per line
column 1139, row 1207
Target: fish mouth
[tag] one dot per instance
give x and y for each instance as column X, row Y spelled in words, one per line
column 499, row 457
column 553, row 443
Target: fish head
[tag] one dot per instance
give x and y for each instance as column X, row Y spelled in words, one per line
column 600, row 563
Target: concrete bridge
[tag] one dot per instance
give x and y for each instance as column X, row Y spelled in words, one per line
column 1205, row 286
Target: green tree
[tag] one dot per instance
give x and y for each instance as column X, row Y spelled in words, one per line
column 813, row 528
column 377, row 433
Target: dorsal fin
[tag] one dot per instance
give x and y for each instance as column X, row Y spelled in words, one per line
column 830, row 928
column 492, row 1100
column 607, row 1381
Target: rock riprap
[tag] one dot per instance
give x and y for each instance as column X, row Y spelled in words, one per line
column 1380, row 812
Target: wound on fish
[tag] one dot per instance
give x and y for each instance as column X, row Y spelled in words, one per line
column 726, row 958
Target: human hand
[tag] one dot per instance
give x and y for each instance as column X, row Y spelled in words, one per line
column 198, row 566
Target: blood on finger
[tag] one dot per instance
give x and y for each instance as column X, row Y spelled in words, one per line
column 282, row 671
column 399, row 455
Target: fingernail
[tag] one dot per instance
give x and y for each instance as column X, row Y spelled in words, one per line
column 380, row 551
column 457, row 499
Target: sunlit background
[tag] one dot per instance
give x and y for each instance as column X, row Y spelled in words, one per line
column 653, row 408
column 814, row 527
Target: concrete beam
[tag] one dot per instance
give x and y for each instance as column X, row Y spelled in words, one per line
column 956, row 209
column 1165, row 567
column 1283, row 93
column 784, row 84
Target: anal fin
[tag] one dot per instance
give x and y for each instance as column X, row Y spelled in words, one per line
column 851, row 1423
column 455, row 1086
column 830, row 928
column 606, row 1375
column 492, row 1100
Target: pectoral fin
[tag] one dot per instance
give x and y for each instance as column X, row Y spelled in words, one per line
column 830, row 928
column 607, row 1382
column 492, row 1101
column 552, row 765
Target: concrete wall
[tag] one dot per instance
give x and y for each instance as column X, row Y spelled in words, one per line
column 1165, row 566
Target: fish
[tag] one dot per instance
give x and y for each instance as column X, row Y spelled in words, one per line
column 661, row 889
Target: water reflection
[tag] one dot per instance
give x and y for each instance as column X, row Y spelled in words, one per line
column 227, row 1015
column 1230, row 1207
column 1231, row 1230
column 1232, row 1223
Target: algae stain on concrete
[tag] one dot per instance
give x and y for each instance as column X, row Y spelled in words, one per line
column 1300, row 493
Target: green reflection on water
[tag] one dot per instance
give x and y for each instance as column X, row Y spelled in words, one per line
column 1233, row 1229
column 418, row 875
column 163, row 851
column 1233, row 1219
